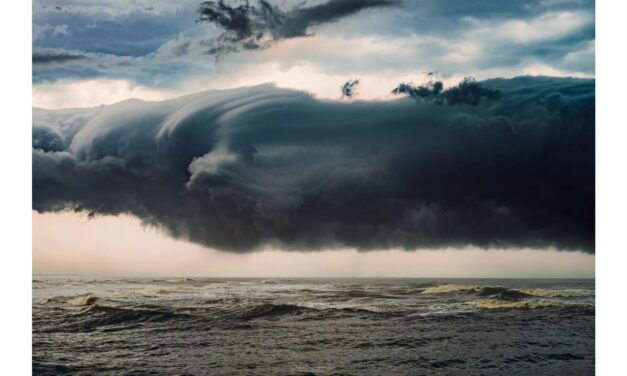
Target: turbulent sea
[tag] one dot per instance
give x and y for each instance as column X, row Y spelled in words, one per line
column 202, row 326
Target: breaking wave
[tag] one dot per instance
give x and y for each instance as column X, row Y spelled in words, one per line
column 85, row 300
column 449, row 288
column 553, row 293
column 76, row 300
column 503, row 292
column 525, row 304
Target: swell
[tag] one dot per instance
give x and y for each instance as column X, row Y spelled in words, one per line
column 89, row 312
column 109, row 318
column 264, row 310
column 271, row 310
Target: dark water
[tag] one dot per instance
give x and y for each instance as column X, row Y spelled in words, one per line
column 312, row 326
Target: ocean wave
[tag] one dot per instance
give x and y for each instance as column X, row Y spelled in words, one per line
column 118, row 318
column 447, row 288
column 409, row 290
column 267, row 310
column 503, row 293
column 90, row 298
column 179, row 280
column 75, row 300
column 97, row 313
column 542, row 293
column 221, row 285
column 153, row 291
column 525, row 304
column 271, row 310
column 85, row 300
column 366, row 294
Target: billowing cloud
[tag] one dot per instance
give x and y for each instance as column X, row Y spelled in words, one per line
column 252, row 27
column 262, row 166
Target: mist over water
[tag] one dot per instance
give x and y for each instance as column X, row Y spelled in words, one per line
column 312, row 326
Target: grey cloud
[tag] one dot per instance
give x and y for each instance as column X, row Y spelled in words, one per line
column 252, row 27
column 246, row 168
column 49, row 56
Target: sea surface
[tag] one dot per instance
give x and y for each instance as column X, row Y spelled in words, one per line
column 204, row 326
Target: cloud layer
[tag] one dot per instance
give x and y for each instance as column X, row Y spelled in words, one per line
column 261, row 166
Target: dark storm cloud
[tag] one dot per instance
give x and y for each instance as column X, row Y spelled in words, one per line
column 43, row 57
column 349, row 88
column 258, row 26
column 245, row 168
column 469, row 91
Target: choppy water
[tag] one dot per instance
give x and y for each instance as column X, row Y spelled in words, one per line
column 312, row 326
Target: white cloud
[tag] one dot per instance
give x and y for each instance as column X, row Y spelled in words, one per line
column 60, row 30
column 89, row 93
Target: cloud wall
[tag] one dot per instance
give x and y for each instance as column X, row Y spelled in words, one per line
column 261, row 166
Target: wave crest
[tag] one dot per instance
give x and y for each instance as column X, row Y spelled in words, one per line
column 446, row 288
column 503, row 292
column 542, row 293
column 526, row 304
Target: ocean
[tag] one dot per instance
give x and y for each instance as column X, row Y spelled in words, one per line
column 248, row 326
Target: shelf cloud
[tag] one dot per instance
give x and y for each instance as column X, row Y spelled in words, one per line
column 262, row 166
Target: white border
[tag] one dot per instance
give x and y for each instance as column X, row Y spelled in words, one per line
column 15, row 164
column 611, row 187
column 15, row 204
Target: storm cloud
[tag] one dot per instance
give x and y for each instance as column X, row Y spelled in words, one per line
column 252, row 27
column 262, row 166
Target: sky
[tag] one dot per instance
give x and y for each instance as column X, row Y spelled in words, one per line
column 344, row 140
column 122, row 247
column 88, row 53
